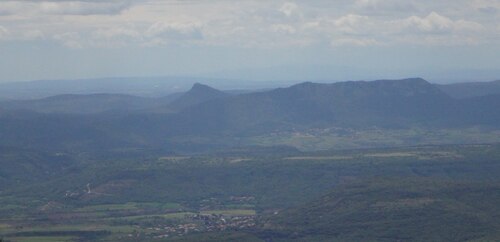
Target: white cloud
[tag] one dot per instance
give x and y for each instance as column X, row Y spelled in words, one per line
column 283, row 28
column 469, row 26
column 70, row 39
column 289, row 9
column 352, row 24
column 262, row 24
column 83, row 8
column 16, row 7
column 115, row 37
column 354, row 42
column 164, row 32
column 3, row 32
column 384, row 6
column 433, row 23
column 435, row 29
column 118, row 32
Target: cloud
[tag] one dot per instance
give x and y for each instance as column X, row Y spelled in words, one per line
column 115, row 37
column 12, row 7
column 83, row 8
column 435, row 23
column 354, row 42
column 4, row 32
column 104, row 7
column 490, row 7
column 283, row 29
column 71, row 40
column 252, row 24
column 289, row 9
column 163, row 32
column 385, row 6
column 435, row 29
column 352, row 24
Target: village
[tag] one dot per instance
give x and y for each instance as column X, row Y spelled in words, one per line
column 204, row 220
column 197, row 223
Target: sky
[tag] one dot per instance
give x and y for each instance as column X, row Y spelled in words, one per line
column 328, row 40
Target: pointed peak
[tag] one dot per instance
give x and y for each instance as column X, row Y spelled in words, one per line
column 199, row 86
column 202, row 89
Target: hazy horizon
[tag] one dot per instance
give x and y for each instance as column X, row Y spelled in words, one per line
column 445, row 41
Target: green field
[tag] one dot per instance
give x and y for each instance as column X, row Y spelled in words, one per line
column 44, row 239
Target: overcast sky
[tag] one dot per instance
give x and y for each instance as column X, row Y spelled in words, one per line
column 447, row 40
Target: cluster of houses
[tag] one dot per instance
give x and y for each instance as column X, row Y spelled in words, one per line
column 219, row 222
column 179, row 230
column 204, row 222
column 200, row 223
column 242, row 199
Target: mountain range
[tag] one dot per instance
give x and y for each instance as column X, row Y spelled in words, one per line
column 112, row 120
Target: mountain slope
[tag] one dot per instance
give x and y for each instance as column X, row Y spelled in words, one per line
column 388, row 103
column 482, row 109
column 85, row 104
column 199, row 93
column 471, row 89
column 21, row 166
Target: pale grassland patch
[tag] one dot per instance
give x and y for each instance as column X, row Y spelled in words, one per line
column 234, row 212
column 319, row 158
column 393, row 154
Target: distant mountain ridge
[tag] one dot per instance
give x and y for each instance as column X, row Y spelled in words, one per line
column 137, row 86
column 471, row 89
column 103, row 102
column 84, row 104
column 207, row 112
column 384, row 102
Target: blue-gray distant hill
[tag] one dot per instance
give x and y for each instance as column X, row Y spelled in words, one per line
column 212, row 116
column 105, row 102
column 87, row 103
column 199, row 93
column 382, row 103
column 136, row 86
column 471, row 89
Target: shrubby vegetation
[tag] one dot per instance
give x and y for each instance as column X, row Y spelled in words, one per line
column 451, row 192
